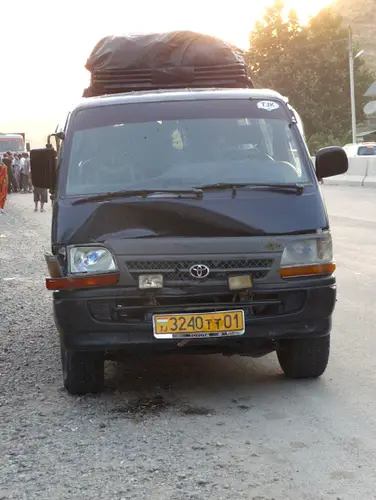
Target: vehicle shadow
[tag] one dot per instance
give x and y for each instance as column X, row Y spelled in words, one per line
column 196, row 385
column 190, row 372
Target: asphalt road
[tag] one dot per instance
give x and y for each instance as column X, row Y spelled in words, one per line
column 188, row 428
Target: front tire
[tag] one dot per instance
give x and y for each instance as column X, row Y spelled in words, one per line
column 304, row 358
column 83, row 372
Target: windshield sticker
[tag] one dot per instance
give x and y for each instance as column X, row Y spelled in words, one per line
column 177, row 140
column 268, row 105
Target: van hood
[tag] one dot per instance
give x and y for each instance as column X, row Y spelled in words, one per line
column 216, row 215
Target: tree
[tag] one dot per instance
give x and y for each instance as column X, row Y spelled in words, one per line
column 309, row 65
column 270, row 38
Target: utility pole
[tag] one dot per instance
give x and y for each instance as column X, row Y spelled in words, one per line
column 352, row 86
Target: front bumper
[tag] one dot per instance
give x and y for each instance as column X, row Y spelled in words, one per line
column 112, row 319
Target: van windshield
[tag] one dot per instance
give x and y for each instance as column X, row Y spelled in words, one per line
column 181, row 144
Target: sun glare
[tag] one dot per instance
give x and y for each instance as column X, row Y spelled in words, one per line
column 239, row 35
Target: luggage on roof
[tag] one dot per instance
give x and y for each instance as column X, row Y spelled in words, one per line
column 178, row 59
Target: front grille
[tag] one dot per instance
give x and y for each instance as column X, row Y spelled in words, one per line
column 178, row 270
column 139, row 309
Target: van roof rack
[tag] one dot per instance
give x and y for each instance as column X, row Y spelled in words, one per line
column 114, row 82
column 174, row 60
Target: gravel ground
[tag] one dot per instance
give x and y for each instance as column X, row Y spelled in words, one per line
column 182, row 428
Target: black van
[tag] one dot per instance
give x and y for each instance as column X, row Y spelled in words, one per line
column 190, row 221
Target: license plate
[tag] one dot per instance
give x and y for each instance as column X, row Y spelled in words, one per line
column 199, row 325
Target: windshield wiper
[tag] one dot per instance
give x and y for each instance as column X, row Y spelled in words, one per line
column 197, row 191
column 144, row 193
column 280, row 188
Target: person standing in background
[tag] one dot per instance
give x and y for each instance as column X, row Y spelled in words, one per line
column 22, row 176
column 12, row 185
column 3, row 185
column 14, row 180
column 41, row 196
column 28, row 169
column 25, row 173
column 16, row 170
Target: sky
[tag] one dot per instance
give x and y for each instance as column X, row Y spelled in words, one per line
column 44, row 46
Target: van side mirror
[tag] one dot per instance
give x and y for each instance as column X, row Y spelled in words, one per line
column 43, row 168
column 331, row 161
column 28, row 147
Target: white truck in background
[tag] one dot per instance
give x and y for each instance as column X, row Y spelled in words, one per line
column 360, row 149
column 14, row 143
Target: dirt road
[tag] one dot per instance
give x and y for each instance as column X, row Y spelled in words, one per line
column 187, row 427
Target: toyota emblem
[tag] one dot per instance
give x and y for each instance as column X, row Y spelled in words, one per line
column 199, row 271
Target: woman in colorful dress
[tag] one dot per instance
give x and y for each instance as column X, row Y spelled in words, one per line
column 3, row 185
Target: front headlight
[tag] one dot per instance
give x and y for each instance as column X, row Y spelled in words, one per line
column 93, row 260
column 308, row 257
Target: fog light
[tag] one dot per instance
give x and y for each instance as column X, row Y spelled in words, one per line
column 150, row 281
column 240, row 282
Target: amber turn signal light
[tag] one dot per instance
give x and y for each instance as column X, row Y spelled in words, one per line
column 314, row 270
column 73, row 282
